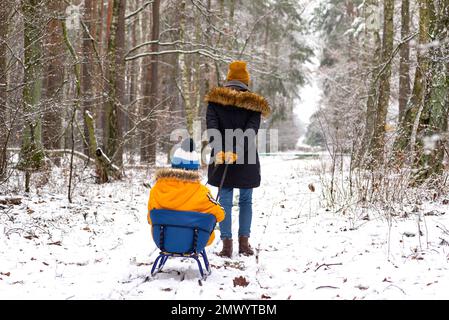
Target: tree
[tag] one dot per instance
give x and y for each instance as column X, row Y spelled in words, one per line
column 31, row 153
column 150, row 101
column 378, row 141
column 53, row 80
column 404, row 67
column 433, row 122
column 404, row 145
column 87, row 67
column 115, row 85
column 189, row 104
column 4, row 12
column 371, row 7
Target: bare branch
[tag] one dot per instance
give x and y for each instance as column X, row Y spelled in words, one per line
column 132, row 14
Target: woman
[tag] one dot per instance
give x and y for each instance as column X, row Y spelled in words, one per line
column 234, row 107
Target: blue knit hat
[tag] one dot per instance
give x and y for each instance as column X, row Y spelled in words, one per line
column 186, row 157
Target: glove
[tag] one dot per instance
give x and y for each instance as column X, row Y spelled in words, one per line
column 228, row 157
column 219, row 158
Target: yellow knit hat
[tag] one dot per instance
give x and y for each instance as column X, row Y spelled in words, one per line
column 237, row 71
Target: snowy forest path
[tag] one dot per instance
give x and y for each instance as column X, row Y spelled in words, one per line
column 281, row 200
column 101, row 247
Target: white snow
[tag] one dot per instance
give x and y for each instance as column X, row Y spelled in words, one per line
column 100, row 247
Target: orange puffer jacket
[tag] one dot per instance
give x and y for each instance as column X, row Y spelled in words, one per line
column 181, row 190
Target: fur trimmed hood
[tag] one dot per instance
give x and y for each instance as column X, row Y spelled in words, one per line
column 178, row 174
column 241, row 99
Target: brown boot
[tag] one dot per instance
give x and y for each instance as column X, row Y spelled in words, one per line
column 227, row 249
column 244, row 247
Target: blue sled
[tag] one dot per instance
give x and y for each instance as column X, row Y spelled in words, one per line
column 182, row 234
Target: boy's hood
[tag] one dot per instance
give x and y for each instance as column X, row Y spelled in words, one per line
column 176, row 186
column 178, row 174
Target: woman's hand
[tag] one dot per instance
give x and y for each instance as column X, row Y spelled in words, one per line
column 228, row 157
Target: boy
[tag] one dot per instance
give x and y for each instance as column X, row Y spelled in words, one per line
column 179, row 187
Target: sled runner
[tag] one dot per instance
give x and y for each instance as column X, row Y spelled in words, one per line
column 182, row 234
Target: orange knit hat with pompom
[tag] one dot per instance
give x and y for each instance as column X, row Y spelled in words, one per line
column 237, row 71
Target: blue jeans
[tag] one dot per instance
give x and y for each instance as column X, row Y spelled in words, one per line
column 245, row 214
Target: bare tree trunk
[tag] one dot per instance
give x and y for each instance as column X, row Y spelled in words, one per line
column 198, row 75
column 31, row 153
column 371, row 112
column 404, row 144
column 404, row 67
column 185, row 79
column 231, row 42
column 4, row 11
column 98, row 112
column 131, row 84
column 207, row 64
column 87, row 65
column 115, row 83
column 76, row 103
column 54, row 79
column 149, row 133
column 378, row 142
column 154, row 90
column 433, row 123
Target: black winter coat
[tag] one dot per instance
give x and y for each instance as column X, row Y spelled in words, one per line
column 232, row 109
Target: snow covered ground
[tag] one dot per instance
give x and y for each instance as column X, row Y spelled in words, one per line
column 100, row 247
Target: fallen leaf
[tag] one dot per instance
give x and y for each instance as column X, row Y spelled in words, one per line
column 264, row 296
column 5, row 273
column 45, row 263
column 57, row 243
column 167, row 289
column 240, row 281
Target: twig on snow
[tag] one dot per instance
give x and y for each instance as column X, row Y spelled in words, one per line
column 328, row 265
